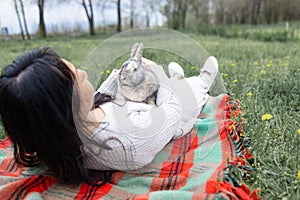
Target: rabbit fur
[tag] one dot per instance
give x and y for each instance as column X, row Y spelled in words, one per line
column 137, row 82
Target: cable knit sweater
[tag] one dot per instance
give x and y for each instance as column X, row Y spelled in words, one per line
column 135, row 132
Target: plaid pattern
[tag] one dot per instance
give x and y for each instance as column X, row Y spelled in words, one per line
column 192, row 167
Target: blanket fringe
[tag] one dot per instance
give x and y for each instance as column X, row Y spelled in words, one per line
column 235, row 170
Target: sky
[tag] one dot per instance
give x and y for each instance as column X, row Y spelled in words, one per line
column 57, row 17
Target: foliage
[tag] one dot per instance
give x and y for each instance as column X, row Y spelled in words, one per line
column 264, row 76
column 250, row 32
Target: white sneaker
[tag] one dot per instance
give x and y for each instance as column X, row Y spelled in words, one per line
column 175, row 70
column 209, row 70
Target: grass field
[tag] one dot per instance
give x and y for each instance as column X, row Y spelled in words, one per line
column 264, row 76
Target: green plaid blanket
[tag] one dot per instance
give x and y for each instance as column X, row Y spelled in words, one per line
column 204, row 164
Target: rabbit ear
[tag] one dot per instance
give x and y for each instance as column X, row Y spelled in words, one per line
column 139, row 51
column 133, row 50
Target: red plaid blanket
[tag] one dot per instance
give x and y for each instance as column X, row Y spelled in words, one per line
column 204, row 164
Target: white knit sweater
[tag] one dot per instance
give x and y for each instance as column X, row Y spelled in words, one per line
column 135, row 132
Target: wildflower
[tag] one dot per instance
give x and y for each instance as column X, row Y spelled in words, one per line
column 225, row 75
column 101, row 73
column 270, row 61
column 193, row 67
column 107, row 71
column 263, row 72
column 284, row 64
column 298, row 175
column 266, row 117
column 298, row 131
column 232, row 65
column 269, row 65
column 249, row 94
column 235, row 81
column 287, row 57
column 255, row 64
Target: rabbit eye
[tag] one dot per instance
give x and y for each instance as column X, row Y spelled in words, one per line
column 134, row 69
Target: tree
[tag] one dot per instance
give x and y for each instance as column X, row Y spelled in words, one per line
column 150, row 8
column 119, row 26
column 175, row 11
column 255, row 10
column 131, row 13
column 90, row 15
column 19, row 19
column 24, row 19
column 42, row 26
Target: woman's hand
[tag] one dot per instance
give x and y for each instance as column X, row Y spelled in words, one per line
column 115, row 71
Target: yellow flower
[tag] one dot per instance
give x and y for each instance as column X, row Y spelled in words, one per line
column 249, row 94
column 263, row 72
column 270, row 61
column 255, row 64
column 193, row 67
column 269, row 65
column 287, row 57
column 298, row 175
column 232, row 65
column 284, row 64
column 107, row 71
column 225, row 75
column 101, row 73
column 298, row 131
column 235, row 81
column 266, row 117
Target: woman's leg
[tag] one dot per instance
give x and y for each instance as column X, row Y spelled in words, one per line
column 201, row 84
column 198, row 85
column 175, row 70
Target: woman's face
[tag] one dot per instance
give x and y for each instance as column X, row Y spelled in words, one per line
column 85, row 89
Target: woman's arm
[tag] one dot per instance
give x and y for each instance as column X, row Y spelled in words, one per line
column 110, row 85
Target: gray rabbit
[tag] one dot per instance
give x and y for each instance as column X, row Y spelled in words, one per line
column 137, row 82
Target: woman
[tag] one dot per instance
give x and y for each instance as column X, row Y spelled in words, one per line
column 48, row 110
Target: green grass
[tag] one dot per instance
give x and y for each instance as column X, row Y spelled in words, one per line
column 269, row 70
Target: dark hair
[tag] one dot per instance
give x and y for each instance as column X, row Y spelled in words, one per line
column 36, row 110
column 100, row 99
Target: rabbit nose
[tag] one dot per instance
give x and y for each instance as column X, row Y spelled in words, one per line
column 122, row 77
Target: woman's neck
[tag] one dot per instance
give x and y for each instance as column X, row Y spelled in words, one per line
column 93, row 119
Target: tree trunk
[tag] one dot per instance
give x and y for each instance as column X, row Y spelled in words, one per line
column 276, row 11
column 119, row 26
column 183, row 9
column 103, row 17
column 42, row 27
column 19, row 19
column 175, row 15
column 92, row 26
column 147, row 19
column 131, row 13
column 90, row 15
column 24, row 19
